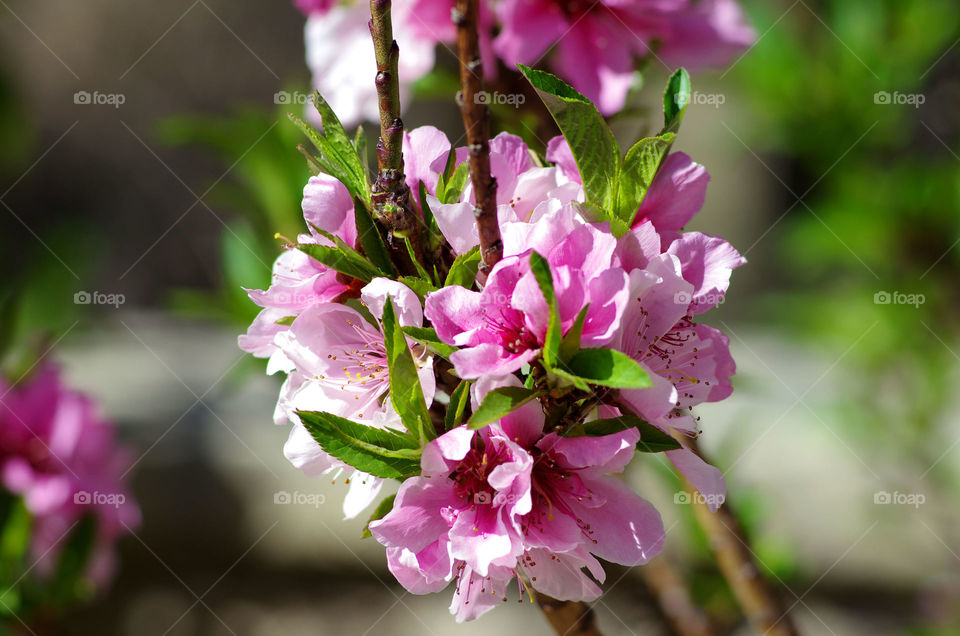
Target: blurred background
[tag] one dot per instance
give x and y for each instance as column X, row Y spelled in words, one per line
column 146, row 158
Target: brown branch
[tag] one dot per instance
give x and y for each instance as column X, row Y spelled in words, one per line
column 670, row 590
column 392, row 207
column 476, row 120
column 568, row 618
column 760, row 603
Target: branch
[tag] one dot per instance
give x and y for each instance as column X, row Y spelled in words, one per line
column 759, row 601
column 390, row 195
column 568, row 618
column 670, row 590
column 476, row 120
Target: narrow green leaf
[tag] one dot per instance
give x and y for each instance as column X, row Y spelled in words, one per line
column 286, row 321
column 371, row 240
column 607, row 367
column 379, row 452
column 459, row 400
column 343, row 262
column 332, row 167
column 360, row 145
column 454, row 187
column 428, row 218
column 341, row 149
column 429, row 337
column 676, row 97
column 639, row 168
column 463, row 272
column 591, row 140
column 652, row 439
column 424, row 274
column 500, row 402
column 67, row 583
column 419, row 286
column 405, row 390
column 551, row 345
column 571, row 341
column 383, row 509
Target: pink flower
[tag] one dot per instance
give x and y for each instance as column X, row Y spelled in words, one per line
column 299, row 281
column 339, row 366
column 62, row 459
column 341, row 58
column 504, row 501
column 503, row 327
column 597, row 42
column 309, row 7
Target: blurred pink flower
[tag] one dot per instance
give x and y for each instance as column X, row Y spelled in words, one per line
column 62, row 459
column 597, row 42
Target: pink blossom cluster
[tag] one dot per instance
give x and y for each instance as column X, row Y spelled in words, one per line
column 514, row 499
column 593, row 45
column 63, row 460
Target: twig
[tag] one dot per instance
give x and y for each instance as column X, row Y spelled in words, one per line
column 476, row 120
column 390, row 195
column 760, row 603
column 670, row 590
column 568, row 618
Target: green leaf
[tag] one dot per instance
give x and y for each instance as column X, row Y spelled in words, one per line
column 675, row 100
column 607, row 367
column 340, row 149
column 571, row 341
column 360, row 145
column 377, row 451
column 551, row 345
column 286, row 321
column 14, row 537
column 424, row 274
column 428, row 218
column 383, row 509
column 591, row 141
column 429, row 337
column 454, row 187
column 459, row 400
column 405, row 391
column 500, row 402
column 463, row 272
column 351, row 263
column 419, row 286
column 67, row 583
column 639, row 168
column 652, row 439
column 370, row 239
